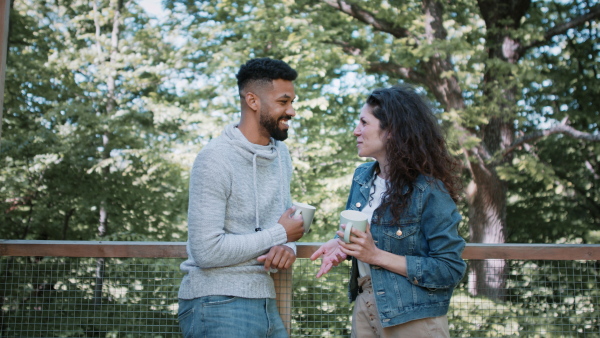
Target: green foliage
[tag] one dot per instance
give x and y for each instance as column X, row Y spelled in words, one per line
column 554, row 184
column 55, row 170
column 556, row 194
column 335, row 57
column 175, row 89
column 173, row 97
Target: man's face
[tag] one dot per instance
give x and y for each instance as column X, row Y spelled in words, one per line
column 276, row 109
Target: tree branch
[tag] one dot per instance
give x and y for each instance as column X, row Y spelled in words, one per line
column 395, row 69
column 563, row 28
column 369, row 18
column 589, row 166
column 347, row 47
column 382, row 67
column 561, row 128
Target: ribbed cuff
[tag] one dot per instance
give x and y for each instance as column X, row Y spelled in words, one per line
column 291, row 245
column 278, row 234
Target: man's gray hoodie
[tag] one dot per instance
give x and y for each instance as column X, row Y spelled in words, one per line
column 235, row 187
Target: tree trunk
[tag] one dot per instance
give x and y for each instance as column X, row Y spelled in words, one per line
column 5, row 8
column 111, row 105
column 487, row 193
column 486, row 197
column 66, row 221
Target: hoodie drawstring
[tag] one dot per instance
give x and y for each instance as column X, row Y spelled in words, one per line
column 281, row 188
column 257, row 226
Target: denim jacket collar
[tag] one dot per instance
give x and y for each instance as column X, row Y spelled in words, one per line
column 365, row 179
column 366, row 174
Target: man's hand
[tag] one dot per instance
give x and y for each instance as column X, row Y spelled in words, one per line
column 293, row 225
column 280, row 257
column 332, row 256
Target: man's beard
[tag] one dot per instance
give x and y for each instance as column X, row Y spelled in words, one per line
column 272, row 126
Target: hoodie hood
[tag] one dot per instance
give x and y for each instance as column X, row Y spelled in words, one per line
column 259, row 155
column 250, row 151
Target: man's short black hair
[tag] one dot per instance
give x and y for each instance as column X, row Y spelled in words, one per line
column 264, row 70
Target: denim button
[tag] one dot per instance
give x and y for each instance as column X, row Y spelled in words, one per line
column 358, row 204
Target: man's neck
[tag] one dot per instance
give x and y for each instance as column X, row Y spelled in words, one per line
column 252, row 133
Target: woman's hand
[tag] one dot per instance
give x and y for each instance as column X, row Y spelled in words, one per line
column 361, row 246
column 332, row 256
column 364, row 249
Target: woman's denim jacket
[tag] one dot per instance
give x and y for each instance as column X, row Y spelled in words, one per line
column 427, row 236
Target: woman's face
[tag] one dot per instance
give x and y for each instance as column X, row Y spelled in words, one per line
column 370, row 138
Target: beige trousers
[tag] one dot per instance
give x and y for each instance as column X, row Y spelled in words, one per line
column 366, row 324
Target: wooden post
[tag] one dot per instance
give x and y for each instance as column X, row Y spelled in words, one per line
column 4, row 15
column 283, row 287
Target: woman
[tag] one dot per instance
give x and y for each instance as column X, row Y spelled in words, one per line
column 408, row 261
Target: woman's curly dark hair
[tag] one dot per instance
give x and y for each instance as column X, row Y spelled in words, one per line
column 416, row 146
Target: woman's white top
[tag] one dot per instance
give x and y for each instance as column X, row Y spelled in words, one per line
column 377, row 190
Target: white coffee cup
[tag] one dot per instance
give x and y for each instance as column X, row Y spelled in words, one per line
column 307, row 212
column 353, row 219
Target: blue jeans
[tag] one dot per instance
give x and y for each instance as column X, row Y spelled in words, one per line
column 227, row 316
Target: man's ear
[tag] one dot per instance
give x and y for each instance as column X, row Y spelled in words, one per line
column 252, row 101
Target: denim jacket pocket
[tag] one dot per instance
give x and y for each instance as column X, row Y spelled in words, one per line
column 401, row 232
column 401, row 240
column 408, row 217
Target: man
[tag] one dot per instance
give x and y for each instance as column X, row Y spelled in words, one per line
column 240, row 224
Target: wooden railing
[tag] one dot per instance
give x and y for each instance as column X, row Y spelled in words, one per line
column 305, row 250
column 283, row 279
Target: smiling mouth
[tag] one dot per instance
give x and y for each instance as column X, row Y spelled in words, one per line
column 285, row 122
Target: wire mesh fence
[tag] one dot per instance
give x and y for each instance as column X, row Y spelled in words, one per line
column 62, row 297
column 137, row 297
column 537, row 299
